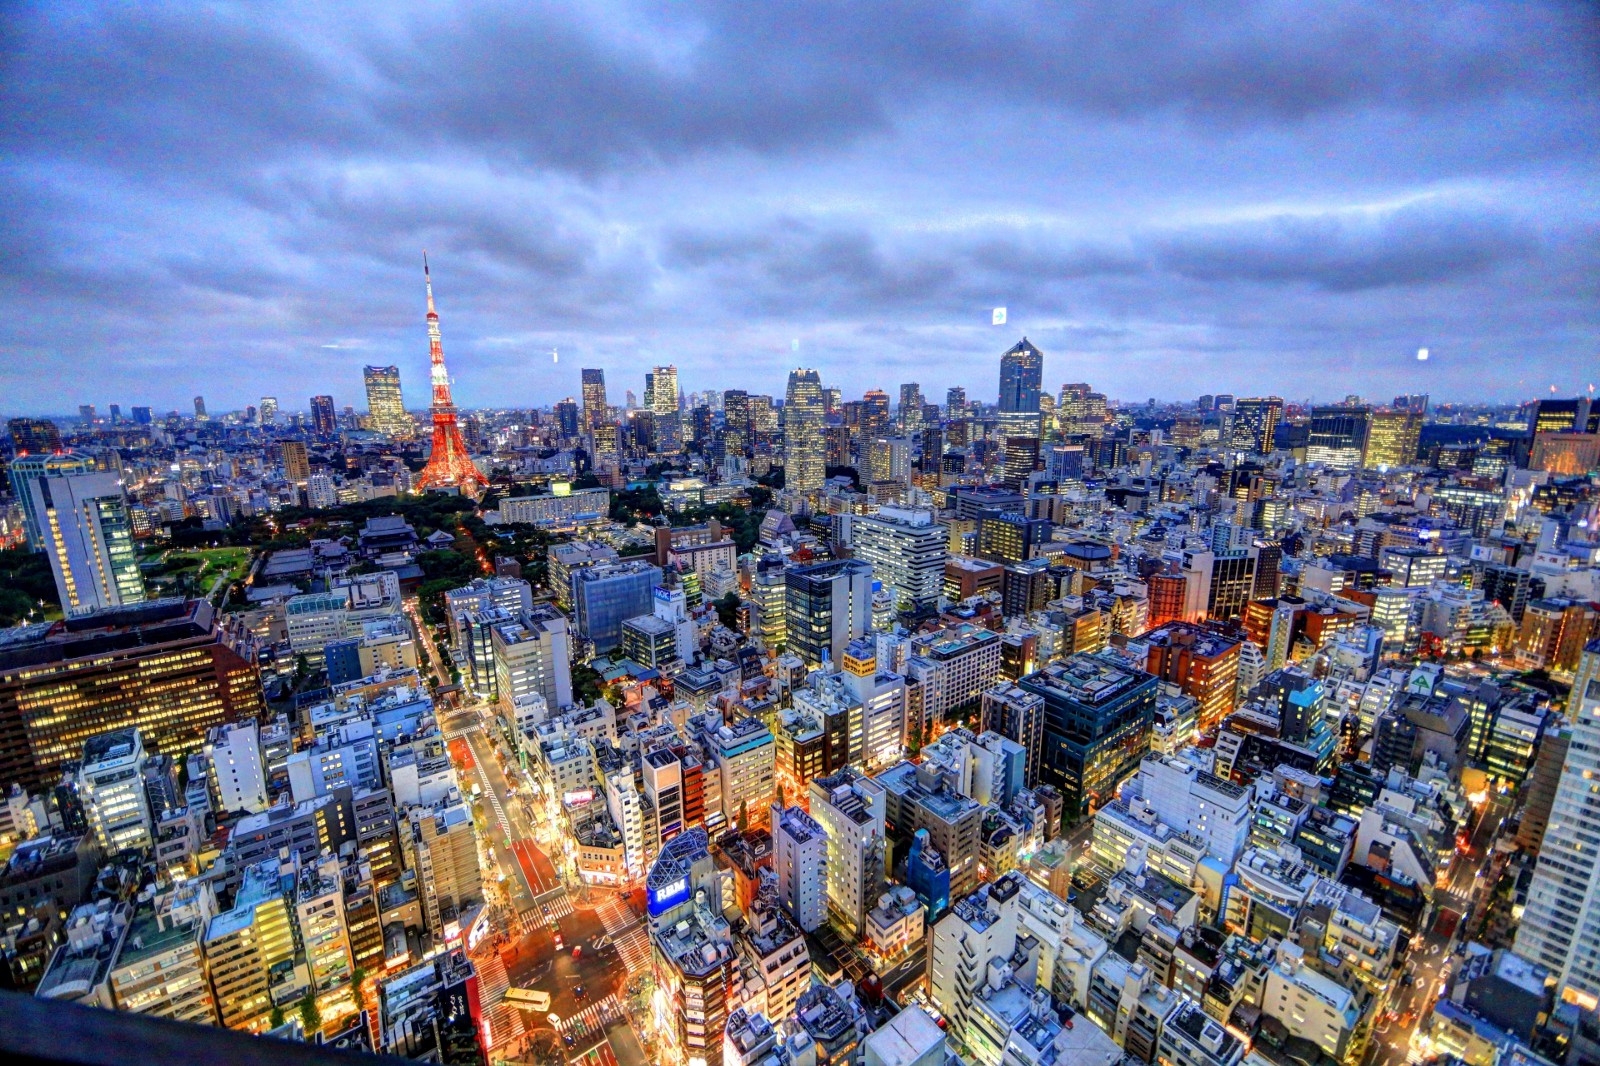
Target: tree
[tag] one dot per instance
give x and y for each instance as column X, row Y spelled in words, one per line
column 783, row 802
column 302, row 667
column 310, row 1016
column 744, row 816
column 728, row 610
column 275, row 1019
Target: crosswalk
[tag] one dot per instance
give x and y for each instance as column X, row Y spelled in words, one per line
column 502, row 1022
column 534, row 917
column 628, row 933
column 594, row 1015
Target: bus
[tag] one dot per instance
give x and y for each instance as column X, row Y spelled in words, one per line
column 528, row 999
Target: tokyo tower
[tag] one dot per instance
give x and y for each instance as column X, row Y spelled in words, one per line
column 448, row 464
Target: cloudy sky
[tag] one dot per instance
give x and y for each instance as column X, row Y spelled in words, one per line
column 1169, row 198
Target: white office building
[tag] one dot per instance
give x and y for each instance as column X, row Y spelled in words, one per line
column 907, row 550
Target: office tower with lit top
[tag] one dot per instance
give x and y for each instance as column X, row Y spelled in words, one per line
column 1255, row 420
column 449, row 465
column 268, row 411
column 384, row 403
column 663, row 402
column 324, row 419
column 1021, row 383
column 803, row 444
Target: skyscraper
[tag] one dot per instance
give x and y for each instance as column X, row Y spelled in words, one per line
column 448, row 462
column 296, row 464
column 735, row 422
column 89, row 538
column 1392, row 439
column 1338, row 436
column 384, row 402
column 910, row 407
column 200, row 409
column 664, row 402
column 324, row 421
column 1561, row 924
column 906, row 550
column 1021, row 382
column 594, row 397
column 1254, row 423
column 269, row 410
column 26, row 469
column 827, row 605
column 804, row 469
column 34, row 436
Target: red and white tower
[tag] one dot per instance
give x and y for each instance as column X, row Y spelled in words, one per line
column 448, row 464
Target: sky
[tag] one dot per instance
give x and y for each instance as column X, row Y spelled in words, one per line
column 1169, row 199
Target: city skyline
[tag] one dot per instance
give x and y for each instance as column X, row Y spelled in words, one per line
column 1346, row 208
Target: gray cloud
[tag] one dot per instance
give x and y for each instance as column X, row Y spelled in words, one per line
column 185, row 190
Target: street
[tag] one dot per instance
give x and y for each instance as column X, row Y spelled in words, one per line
column 546, row 923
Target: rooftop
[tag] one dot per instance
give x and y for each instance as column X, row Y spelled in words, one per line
column 1092, row 679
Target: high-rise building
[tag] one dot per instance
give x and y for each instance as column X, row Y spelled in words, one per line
column 1098, row 715
column 1021, row 382
column 34, row 436
column 245, row 945
column 1020, row 459
column 384, row 402
column 827, row 605
column 111, row 788
column 142, row 416
column 1255, row 421
column 268, row 410
column 165, row 666
column 236, row 767
column 88, row 536
column 296, row 463
column 449, row 464
column 955, row 402
column 26, row 469
column 200, row 410
column 595, row 412
column 605, row 596
column 1392, row 439
column 1338, row 436
column 664, row 402
column 803, row 444
column 910, row 408
column 1561, row 924
column 800, row 859
column 324, row 418
column 852, row 810
column 906, row 549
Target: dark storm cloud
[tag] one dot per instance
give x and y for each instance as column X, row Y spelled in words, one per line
column 1147, row 186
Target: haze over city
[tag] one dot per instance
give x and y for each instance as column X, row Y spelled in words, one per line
column 235, row 199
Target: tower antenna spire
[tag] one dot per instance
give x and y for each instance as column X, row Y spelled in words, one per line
column 428, row 280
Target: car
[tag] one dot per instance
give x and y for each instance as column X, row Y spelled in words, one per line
column 578, row 992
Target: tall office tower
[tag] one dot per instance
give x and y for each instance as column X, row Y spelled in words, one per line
column 832, row 401
column 165, row 666
column 34, row 436
column 700, row 422
column 735, row 422
column 595, row 412
column 1561, row 925
column 1392, row 439
column 111, row 787
column 269, row 410
column 324, row 419
column 296, row 463
column 800, row 859
column 200, row 409
column 1021, row 381
column 384, row 402
column 955, row 402
column 1557, row 416
column 116, row 414
column 827, row 605
column 26, row 469
column 89, row 537
column 910, row 407
column 449, row 465
column 906, row 550
column 852, row 810
column 141, row 416
column 1020, row 459
column 763, row 420
column 1255, row 420
column 874, row 415
column 664, row 401
column 567, row 418
column 804, row 468
column 1338, row 436
column 86, row 413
